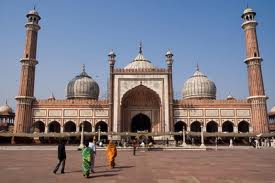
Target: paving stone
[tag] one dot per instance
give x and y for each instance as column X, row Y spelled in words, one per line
column 232, row 166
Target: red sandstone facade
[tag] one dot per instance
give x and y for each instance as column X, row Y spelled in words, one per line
column 146, row 93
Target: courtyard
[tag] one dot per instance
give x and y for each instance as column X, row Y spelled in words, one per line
column 225, row 165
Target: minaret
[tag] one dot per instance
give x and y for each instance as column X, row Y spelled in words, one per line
column 169, row 61
column 23, row 118
column 112, row 61
column 257, row 96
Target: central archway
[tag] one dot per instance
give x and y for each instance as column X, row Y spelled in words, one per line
column 141, row 122
column 141, row 110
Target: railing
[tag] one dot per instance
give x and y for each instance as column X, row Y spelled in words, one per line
column 78, row 134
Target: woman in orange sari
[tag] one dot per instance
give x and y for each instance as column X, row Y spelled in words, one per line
column 111, row 152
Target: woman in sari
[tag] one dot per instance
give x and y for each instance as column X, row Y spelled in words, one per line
column 86, row 160
column 111, row 152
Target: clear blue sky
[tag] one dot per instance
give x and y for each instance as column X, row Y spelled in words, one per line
column 83, row 32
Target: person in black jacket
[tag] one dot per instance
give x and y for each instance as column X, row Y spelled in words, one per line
column 61, row 156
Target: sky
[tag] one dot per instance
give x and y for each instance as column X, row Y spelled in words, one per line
column 74, row 33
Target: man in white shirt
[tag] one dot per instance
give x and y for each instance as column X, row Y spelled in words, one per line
column 92, row 145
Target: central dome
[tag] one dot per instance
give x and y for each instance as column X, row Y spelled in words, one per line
column 140, row 62
column 199, row 86
column 82, row 87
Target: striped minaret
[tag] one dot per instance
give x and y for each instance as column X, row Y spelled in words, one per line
column 23, row 118
column 257, row 96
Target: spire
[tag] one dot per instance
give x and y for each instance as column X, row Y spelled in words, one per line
column 53, row 95
column 6, row 101
column 83, row 67
column 140, row 47
column 197, row 67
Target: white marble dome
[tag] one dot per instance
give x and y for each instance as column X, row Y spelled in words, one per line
column 33, row 12
column 273, row 109
column 82, row 87
column 248, row 10
column 140, row 62
column 5, row 109
column 199, row 86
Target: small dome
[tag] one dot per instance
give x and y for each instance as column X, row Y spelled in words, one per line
column 5, row 109
column 199, row 86
column 112, row 53
column 82, row 86
column 140, row 62
column 229, row 97
column 248, row 10
column 33, row 12
column 169, row 52
column 273, row 109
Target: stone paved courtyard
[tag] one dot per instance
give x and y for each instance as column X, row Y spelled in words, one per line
column 236, row 165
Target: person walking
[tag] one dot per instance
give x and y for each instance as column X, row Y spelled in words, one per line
column 111, row 152
column 61, row 157
column 92, row 146
column 86, row 159
column 135, row 144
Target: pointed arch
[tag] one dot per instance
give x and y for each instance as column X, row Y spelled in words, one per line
column 87, row 126
column 39, row 126
column 54, row 126
column 195, row 126
column 178, row 126
column 228, row 126
column 141, row 122
column 212, row 126
column 69, row 127
column 103, row 126
column 243, row 127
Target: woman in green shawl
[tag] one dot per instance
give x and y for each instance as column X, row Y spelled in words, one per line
column 86, row 160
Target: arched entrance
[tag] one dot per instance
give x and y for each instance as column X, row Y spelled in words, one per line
column 39, row 126
column 140, row 110
column 103, row 126
column 141, row 122
column 196, row 126
column 69, row 127
column 243, row 127
column 87, row 126
column 227, row 126
column 54, row 127
column 179, row 127
column 212, row 126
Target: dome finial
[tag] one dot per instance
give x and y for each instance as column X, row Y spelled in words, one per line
column 6, row 101
column 83, row 67
column 197, row 67
column 140, row 47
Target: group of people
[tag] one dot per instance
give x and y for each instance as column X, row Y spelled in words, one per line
column 88, row 154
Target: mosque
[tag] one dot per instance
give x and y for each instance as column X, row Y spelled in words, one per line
column 140, row 96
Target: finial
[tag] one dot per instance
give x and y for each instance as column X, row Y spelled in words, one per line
column 112, row 54
column 53, row 95
column 169, row 53
column 6, row 101
column 140, row 47
column 197, row 67
column 83, row 67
